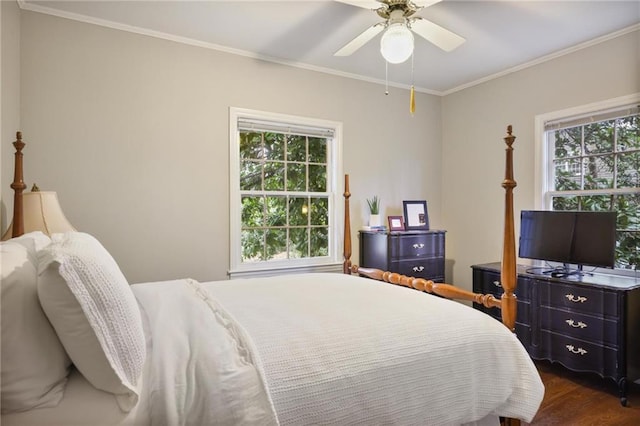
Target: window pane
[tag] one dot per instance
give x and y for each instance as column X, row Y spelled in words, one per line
column 598, row 137
column 568, row 176
column 298, row 211
column 274, row 146
column 629, row 170
column 596, row 203
column 627, row 251
column 274, row 176
column 298, row 243
column 628, row 133
column 296, row 148
column 252, row 245
column 598, row 172
column 565, row 203
column 319, row 211
column 317, row 178
column 250, row 175
column 276, row 211
column 296, row 177
column 319, row 241
column 252, row 212
column 568, row 142
column 318, row 150
column 276, row 244
column 628, row 208
column 251, row 145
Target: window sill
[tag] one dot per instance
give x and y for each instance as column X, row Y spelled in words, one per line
column 269, row 272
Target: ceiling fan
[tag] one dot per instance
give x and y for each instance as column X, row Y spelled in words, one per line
column 396, row 44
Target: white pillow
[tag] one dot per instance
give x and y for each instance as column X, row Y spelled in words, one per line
column 90, row 304
column 34, row 363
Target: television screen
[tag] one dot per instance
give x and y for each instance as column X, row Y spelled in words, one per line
column 580, row 238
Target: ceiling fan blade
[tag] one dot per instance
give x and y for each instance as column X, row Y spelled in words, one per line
column 365, row 4
column 360, row 40
column 441, row 37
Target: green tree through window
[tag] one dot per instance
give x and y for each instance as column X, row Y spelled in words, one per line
column 596, row 167
column 284, row 193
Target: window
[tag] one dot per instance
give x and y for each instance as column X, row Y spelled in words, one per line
column 285, row 193
column 590, row 160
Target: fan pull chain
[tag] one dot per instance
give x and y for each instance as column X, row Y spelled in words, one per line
column 412, row 96
column 386, row 77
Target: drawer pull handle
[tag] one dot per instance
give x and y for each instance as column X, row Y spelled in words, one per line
column 497, row 284
column 418, row 268
column 574, row 324
column 418, row 245
column 576, row 299
column 575, row 350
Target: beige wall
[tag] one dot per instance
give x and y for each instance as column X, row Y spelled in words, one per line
column 132, row 132
column 10, row 96
column 474, row 124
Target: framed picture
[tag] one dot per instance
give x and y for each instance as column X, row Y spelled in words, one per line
column 396, row 223
column 415, row 215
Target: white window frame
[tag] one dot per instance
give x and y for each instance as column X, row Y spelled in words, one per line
column 544, row 159
column 335, row 186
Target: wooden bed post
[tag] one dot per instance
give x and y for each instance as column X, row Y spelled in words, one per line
column 508, row 274
column 18, row 186
column 346, row 265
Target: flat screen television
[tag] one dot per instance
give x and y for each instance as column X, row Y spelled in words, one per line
column 569, row 237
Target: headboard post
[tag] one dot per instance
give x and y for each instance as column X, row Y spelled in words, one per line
column 346, row 265
column 508, row 274
column 18, row 186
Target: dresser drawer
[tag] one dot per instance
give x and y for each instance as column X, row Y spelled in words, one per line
column 412, row 246
column 490, row 284
column 580, row 326
column 590, row 300
column 579, row 355
column 432, row 269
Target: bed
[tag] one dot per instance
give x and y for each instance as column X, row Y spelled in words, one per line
column 81, row 346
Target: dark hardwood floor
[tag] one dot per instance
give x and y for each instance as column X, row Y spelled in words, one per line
column 584, row 399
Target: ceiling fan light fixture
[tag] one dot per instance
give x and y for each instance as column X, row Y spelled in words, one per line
column 396, row 44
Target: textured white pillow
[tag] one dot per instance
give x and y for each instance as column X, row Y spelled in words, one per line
column 90, row 304
column 34, row 363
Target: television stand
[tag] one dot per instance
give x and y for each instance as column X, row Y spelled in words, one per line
column 591, row 324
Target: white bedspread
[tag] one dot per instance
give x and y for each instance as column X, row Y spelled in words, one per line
column 339, row 349
column 323, row 349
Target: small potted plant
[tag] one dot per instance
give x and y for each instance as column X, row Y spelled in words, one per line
column 374, row 211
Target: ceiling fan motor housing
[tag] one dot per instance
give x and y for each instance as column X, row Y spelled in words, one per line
column 392, row 8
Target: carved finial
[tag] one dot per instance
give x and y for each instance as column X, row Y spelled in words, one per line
column 509, row 139
column 18, row 144
column 35, row 188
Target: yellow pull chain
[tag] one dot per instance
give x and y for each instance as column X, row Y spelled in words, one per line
column 412, row 97
column 412, row 102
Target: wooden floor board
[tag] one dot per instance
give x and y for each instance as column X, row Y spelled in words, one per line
column 582, row 399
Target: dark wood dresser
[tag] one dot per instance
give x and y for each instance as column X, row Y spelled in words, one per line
column 417, row 254
column 587, row 324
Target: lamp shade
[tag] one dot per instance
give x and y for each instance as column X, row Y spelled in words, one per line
column 42, row 212
column 396, row 44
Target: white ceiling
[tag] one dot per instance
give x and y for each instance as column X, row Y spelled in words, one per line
column 501, row 36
